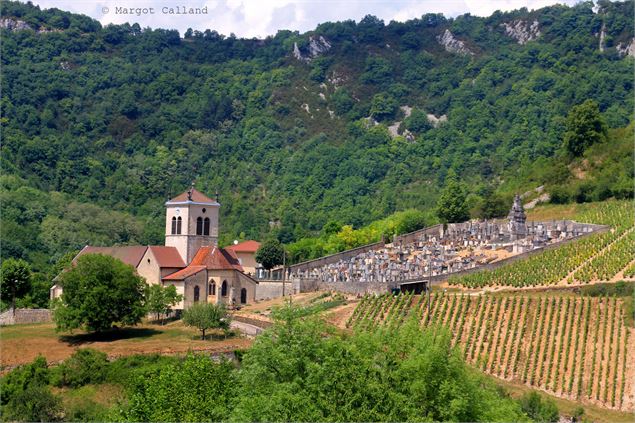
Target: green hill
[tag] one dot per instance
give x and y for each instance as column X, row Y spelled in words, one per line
column 101, row 124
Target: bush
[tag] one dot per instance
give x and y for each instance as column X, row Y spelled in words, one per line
column 539, row 409
column 83, row 367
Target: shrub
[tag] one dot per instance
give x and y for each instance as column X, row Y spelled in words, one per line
column 83, row 367
column 539, row 409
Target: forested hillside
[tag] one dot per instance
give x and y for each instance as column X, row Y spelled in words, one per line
column 343, row 125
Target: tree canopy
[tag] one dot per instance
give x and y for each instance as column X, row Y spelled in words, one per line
column 99, row 291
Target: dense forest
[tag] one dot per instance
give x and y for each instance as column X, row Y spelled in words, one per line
column 302, row 135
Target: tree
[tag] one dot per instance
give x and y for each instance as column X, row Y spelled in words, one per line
column 270, row 254
column 584, row 127
column 452, row 206
column 99, row 292
column 383, row 106
column 15, row 280
column 204, row 316
column 160, row 300
column 539, row 409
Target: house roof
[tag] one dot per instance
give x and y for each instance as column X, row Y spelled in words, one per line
column 249, row 246
column 184, row 273
column 215, row 258
column 197, row 197
column 130, row 255
column 167, row 256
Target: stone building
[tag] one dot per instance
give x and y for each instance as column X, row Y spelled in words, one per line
column 190, row 259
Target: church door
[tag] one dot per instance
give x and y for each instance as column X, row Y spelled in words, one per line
column 223, row 289
column 243, row 296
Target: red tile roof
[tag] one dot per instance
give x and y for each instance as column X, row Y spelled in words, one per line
column 197, row 197
column 250, row 246
column 129, row 255
column 184, row 273
column 167, row 256
column 214, row 258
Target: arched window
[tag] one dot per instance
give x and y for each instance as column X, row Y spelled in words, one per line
column 197, row 293
column 206, row 226
column 212, row 288
column 223, row 289
column 243, row 296
column 199, row 226
column 173, row 225
column 178, row 225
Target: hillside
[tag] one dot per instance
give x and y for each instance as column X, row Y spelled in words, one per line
column 109, row 121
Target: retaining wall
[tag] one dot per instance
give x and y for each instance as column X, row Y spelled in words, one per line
column 24, row 316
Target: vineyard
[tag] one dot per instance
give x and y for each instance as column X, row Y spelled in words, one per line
column 572, row 347
column 597, row 257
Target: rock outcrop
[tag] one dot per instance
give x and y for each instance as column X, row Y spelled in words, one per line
column 522, row 31
column 436, row 121
column 317, row 46
column 452, row 44
column 14, row 24
column 624, row 49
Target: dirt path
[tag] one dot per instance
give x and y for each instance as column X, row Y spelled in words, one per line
column 619, row 276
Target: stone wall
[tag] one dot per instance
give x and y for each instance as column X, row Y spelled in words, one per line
column 25, row 316
column 268, row 289
column 334, row 258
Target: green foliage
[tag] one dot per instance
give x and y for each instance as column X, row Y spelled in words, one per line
column 197, row 389
column 452, row 206
column 15, row 279
column 417, row 122
column 539, row 409
column 85, row 366
column 98, row 292
column 299, row 370
column 584, row 127
column 160, row 300
column 25, row 396
column 205, row 316
column 383, row 106
column 270, row 254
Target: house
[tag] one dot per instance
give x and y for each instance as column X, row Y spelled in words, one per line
column 246, row 253
column 190, row 259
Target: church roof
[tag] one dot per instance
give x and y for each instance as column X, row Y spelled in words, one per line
column 215, row 258
column 167, row 256
column 210, row 258
column 197, row 197
column 130, row 255
column 184, row 273
column 249, row 246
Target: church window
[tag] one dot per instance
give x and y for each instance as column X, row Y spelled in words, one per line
column 199, row 226
column 197, row 294
column 178, row 225
column 223, row 289
column 212, row 288
column 206, row 226
column 204, row 210
column 173, row 225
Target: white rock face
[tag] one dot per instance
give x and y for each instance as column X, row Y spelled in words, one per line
column 452, row 44
column 626, row 50
column 14, row 24
column 407, row 110
column 436, row 121
column 601, row 45
column 522, row 31
column 322, row 96
column 317, row 46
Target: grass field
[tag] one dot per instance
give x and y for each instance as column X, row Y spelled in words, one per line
column 21, row 344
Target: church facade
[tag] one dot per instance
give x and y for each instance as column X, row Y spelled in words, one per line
column 190, row 259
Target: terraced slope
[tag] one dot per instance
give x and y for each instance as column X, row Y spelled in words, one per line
column 595, row 258
column 572, row 347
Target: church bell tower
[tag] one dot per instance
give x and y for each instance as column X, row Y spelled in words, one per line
column 191, row 222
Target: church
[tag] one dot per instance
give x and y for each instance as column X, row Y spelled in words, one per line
column 191, row 259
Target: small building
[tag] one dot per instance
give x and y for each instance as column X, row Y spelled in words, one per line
column 246, row 253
